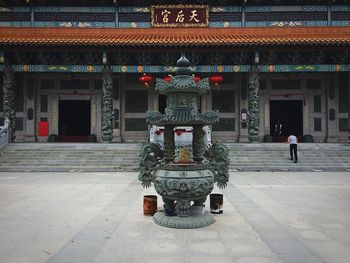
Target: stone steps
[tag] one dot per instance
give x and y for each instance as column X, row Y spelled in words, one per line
column 275, row 157
column 66, row 157
column 90, row 157
column 74, row 168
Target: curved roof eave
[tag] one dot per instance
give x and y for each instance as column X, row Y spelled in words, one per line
column 186, row 37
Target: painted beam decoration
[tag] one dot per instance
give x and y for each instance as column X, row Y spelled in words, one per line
column 172, row 69
column 180, row 15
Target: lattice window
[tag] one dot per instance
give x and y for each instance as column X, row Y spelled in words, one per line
column 317, row 124
column 317, row 103
column 343, row 93
column 225, row 124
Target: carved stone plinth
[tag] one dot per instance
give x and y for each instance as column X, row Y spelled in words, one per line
column 107, row 138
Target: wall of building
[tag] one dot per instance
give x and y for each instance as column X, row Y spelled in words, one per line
column 324, row 99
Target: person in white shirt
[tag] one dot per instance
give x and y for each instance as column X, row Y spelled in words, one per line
column 293, row 147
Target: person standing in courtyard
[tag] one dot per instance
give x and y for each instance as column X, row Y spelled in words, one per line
column 293, row 147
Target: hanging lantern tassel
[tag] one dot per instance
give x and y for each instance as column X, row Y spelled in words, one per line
column 167, row 78
column 2, row 57
column 146, row 79
column 196, row 78
column 216, row 80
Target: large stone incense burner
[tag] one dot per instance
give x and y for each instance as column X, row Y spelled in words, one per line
column 184, row 180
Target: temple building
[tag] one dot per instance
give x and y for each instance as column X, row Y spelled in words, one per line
column 84, row 70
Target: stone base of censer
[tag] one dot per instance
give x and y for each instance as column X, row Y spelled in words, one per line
column 193, row 221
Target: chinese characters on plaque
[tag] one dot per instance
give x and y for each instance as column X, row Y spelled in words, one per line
column 180, row 16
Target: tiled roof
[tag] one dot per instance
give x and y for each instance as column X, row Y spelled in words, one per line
column 182, row 117
column 34, row 36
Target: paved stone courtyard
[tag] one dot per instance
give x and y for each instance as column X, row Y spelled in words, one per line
column 98, row 217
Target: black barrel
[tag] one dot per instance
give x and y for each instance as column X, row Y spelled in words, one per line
column 216, row 203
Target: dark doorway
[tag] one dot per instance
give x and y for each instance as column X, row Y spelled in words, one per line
column 74, row 120
column 286, row 118
column 162, row 103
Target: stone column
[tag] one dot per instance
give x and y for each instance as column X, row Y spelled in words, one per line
column 9, row 99
column 169, row 143
column 107, row 105
column 253, row 105
column 331, row 108
column 243, row 105
column 349, row 107
column 198, row 147
column 30, row 118
column 116, row 110
column 53, row 113
column 93, row 119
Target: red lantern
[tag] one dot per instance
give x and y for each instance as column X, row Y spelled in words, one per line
column 216, row 79
column 167, row 78
column 146, row 79
column 178, row 132
column 196, row 78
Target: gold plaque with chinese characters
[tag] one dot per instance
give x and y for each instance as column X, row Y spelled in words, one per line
column 180, row 15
